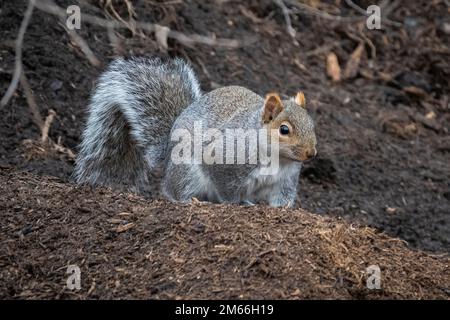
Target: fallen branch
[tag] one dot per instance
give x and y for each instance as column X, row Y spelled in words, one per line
column 184, row 39
column 18, row 59
column 84, row 47
column 32, row 105
column 287, row 18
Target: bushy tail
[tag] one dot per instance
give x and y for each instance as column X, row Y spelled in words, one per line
column 131, row 114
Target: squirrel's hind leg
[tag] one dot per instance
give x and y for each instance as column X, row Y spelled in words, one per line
column 182, row 182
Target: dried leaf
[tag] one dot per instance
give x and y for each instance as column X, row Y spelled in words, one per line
column 352, row 66
column 333, row 68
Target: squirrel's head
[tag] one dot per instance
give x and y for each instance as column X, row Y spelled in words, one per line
column 292, row 125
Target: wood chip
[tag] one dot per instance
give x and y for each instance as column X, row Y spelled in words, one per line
column 416, row 91
column 224, row 247
column 125, row 227
column 296, row 292
column 391, row 210
column 430, row 115
column 115, row 220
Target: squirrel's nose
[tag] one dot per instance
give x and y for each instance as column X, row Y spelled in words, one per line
column 311, row 154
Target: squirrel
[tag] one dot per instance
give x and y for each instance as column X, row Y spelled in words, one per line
column 140, row 104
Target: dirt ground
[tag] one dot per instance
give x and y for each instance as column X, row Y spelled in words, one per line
column 383, row 159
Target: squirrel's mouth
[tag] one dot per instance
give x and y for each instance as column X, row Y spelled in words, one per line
column 291, row 158
column 302, row 158
column 308, row 159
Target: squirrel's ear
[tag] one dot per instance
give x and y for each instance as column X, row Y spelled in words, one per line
column 300, row 99
column 272, row 107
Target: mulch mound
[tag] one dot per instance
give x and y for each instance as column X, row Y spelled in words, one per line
column 383, row 137
column 130, row 247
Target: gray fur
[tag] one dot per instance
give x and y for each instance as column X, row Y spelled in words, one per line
column 129, row 121
column 136, row 106
column 229, row 108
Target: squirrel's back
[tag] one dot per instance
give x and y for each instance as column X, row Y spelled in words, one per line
column 130, row 117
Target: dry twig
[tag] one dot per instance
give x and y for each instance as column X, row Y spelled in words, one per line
column 83, row 45
column 18, row 59
column 46, row 126
column 131, row 24
column 43, row 126
column 185, row 39
column 32, row 105
column 287, row 18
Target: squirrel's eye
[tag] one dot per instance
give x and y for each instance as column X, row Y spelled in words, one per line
column 284, row 129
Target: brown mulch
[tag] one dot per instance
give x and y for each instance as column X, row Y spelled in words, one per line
column 129, row 247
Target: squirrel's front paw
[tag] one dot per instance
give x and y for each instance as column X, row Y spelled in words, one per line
column 281, row 203
column 248, row 203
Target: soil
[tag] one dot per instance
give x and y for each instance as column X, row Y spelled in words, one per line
column 383, row 161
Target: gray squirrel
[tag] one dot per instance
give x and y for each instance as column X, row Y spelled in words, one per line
column 139, row 104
